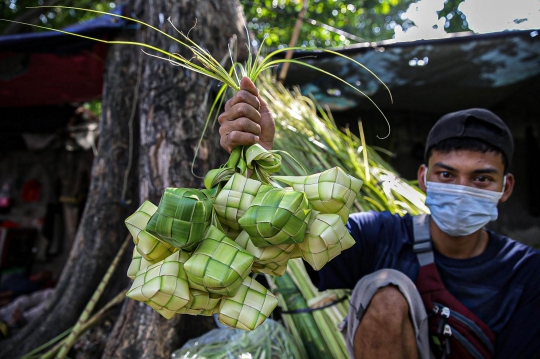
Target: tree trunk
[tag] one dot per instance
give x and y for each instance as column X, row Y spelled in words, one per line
column 174, row 105
column 171, row 109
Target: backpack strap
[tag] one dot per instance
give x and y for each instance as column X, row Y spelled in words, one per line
column 422, row 240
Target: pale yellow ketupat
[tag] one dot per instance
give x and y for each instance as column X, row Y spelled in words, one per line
column 331, row 191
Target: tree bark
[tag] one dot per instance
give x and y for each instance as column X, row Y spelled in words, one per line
column 170, row 112
column 174, row 105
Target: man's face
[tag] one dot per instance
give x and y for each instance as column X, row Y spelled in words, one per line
column 468, row 168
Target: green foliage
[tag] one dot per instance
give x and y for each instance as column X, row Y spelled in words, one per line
column 455, row 19
column 365, row 20
column 56, row 18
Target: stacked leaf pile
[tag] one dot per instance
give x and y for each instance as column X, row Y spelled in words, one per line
column 195, row 250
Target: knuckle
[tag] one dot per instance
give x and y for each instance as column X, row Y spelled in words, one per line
column 221, row 118
column 242, row 95
column 245, row 124
column 243, row 109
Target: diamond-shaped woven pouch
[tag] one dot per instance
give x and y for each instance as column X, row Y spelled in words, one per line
column 218, row 265
column 137, row 263
column 182, row 217
column 163, row 286
column 148, row 245
column 326, row 237
column 276, row 216
column 331, row 191
column 234, row 199
column 249, row 307
column 201, row 303
column 264, row 255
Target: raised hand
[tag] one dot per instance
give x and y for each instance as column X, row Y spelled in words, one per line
column 246, row 120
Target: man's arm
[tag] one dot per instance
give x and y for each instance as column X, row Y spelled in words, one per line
column 247, row 119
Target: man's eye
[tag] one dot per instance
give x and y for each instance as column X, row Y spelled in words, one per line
column 445, row 174
column 482, row 179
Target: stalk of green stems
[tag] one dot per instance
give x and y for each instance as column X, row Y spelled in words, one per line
column 325, row 318
column 72, row 338
column 287, row 319
column 310, row 333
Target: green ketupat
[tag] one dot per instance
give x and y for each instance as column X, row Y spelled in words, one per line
column 276, row 216
column 249, row 307
column 163, row 286
column 331, row 191
column 182, row 217
column 218, row 265
column 149, row 246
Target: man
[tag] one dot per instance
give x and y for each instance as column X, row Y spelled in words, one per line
column 493, row 279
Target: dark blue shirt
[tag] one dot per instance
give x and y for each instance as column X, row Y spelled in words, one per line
column 501, row 285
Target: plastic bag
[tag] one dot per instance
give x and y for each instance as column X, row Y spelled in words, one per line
column 269, row 341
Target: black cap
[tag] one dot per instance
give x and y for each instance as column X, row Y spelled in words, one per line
column 475, row 123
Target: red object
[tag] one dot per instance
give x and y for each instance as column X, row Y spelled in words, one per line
column 31, row 191
column 10, row 224
column 472, row 330
column 50, row 79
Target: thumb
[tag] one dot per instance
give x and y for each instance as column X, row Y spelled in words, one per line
column 247, row 85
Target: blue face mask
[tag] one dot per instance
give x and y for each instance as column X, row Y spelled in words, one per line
column 461, row 210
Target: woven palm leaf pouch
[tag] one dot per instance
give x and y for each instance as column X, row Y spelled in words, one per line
column 182, row 217
column 218, row 265
column 149, row 246
column 163, row 286
column 331, row 191
column 326, row 237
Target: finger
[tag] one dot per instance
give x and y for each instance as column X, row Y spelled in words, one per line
column 242, row 124
column 238, row 111
column 247, row 85
column 243, row 96
column 264, row 105
column 237, row 138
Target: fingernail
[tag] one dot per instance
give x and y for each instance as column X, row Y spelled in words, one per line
column 256, row 138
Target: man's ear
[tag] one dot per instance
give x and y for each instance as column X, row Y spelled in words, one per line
column 508, row 188
column 420, row 177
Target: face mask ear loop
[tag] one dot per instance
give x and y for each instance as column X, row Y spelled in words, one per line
column 504, row 184
column 425, row 177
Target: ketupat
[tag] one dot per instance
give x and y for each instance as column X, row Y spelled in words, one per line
column 182, row 217
column 276, row 216
column 234, row 199
column 249, row 307
column 149, row 246
column 326, row 238
column 163, row 286
column 331, row 191
column 218, row 265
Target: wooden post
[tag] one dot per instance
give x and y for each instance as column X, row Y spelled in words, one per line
column 294, row 39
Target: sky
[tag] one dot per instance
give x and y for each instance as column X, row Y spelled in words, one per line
column 482, row 15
